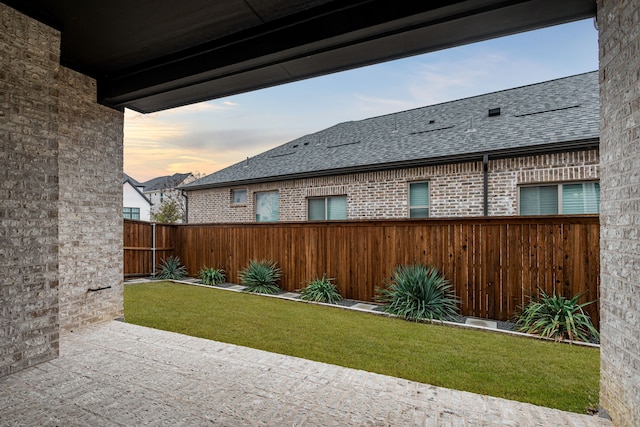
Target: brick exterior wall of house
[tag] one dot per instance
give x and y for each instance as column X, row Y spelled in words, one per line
column 90, row 211
column 60, row 196
column 29, row 54
column 455, row 190
column 619, row 31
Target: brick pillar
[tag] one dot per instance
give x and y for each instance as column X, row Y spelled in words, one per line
column 619, row 28
column 60, row 197
column 90, row 205
column 29, row 58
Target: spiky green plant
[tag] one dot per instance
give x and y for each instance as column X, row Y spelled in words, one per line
column 555, row 316
column 321, row 290
column 171, row 268
column 419, row 292
column 261, row 277
column 211, row 276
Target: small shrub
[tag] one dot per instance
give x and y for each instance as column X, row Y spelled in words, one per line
column 171, row 268
column 321, row 290
column 419, row 292
column 557, row 317
column 211, row 276
column 261, row 277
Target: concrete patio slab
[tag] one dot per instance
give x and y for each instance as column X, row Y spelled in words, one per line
column 116, row 374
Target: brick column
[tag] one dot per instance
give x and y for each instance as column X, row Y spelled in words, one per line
column 60, row 197
column 619, row 28
column 90, row 205
column 29, row 58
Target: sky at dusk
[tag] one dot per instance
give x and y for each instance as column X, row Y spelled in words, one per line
column 209, row 136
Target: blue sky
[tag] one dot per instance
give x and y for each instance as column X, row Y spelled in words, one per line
column 209, row 136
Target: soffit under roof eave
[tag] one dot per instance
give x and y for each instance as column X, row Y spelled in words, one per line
column 175, row 83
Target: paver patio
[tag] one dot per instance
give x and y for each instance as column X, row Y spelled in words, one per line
column 120, row 374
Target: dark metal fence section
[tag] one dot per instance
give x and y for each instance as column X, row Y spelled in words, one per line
column 494, row 263
column 145, row 244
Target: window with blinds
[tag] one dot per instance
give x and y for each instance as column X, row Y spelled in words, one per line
column 581, row 198
column 327, row 208
column 567, row 199
column 419, row 200
column 267, row 206
column 239, row 196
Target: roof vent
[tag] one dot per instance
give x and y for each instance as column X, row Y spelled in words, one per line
column 493, row 112
column 431, row 122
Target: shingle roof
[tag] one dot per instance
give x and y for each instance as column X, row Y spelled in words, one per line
column 165, row 182
column 535, row 117
column 128, row 178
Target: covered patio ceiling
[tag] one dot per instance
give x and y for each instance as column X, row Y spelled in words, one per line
column 150, row 55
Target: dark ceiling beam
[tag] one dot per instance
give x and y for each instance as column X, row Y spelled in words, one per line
column 300, row 35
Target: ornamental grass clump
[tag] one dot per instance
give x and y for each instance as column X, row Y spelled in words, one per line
column 321, row 290
column 212, row 276
column 171, row 269
column 419, row 292
column 261, row 277
column 557, row 317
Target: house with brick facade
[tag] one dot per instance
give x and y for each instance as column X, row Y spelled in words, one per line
column 530, row 150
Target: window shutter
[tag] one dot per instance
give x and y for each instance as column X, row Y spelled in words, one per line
column 581, row 198
column 337, row 207
column 541, row 200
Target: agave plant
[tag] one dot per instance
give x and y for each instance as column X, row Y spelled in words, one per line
column 211, row 276
column 171, row 268
column 419, row 292
column 555, row 316
column 321, row 290
column 261, row 277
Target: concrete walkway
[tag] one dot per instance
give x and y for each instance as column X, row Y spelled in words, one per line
column 126, row 375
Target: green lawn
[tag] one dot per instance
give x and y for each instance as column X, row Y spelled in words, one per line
column 544, row 373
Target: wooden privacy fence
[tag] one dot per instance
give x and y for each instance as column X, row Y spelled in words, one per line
column 145, row 244
column 494, row 263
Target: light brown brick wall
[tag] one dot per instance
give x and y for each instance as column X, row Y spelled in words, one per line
column 455, row 190
column 619, row 31
column 29, row 54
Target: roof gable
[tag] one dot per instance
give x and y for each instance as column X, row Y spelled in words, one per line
column 558, row 112
column 136, row 186
column 165, row 182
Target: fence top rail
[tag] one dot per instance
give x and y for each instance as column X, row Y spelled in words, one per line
column 515, row 220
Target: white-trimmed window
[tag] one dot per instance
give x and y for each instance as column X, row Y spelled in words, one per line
column 418, row 200
column 267, row 206
column 567, row 199
column 132, row 213
column 239, row 196
column 327, row 208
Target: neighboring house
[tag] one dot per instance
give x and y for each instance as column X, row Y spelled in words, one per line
column 135, row 204
column 165, row 188
column 524, row 151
